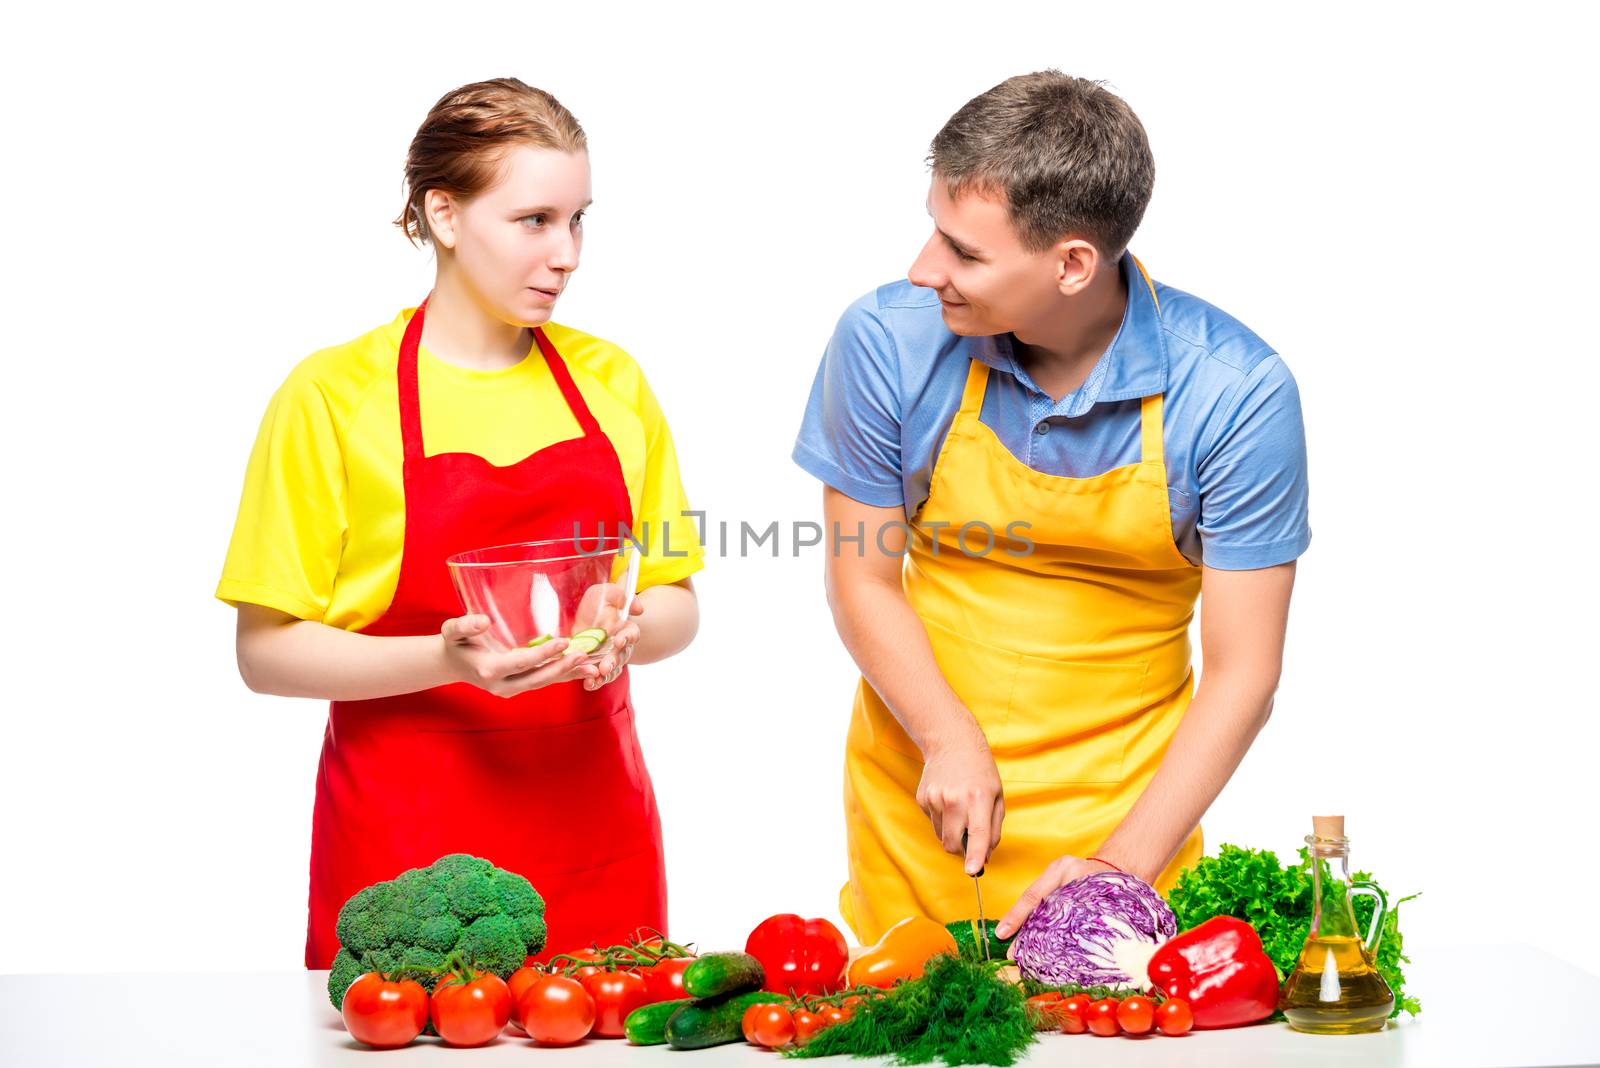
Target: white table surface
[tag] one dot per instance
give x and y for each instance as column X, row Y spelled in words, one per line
column 285, row 1018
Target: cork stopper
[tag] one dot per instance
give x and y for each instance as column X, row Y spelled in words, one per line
column 1327, row 826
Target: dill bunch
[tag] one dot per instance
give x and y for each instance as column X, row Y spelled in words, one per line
column 960, row 1012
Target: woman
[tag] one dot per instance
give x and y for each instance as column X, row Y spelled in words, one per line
column 469, row 421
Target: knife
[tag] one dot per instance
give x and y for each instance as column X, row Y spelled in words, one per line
column 977, row 889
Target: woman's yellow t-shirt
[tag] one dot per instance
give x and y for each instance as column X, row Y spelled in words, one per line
column 321, row 523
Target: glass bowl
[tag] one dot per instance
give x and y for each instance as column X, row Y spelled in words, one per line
column 533, row 591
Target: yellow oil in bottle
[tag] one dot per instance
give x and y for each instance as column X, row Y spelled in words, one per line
column 1334, row 990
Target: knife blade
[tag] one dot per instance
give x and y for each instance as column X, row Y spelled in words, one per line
column 977, row 890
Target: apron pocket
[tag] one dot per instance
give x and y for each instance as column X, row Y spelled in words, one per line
column 1069, row 721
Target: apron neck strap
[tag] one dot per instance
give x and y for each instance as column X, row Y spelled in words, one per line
column 977, row 384
column 1150, row 447
column 410, row 405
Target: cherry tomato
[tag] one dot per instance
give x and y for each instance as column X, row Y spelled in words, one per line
column 663, row 981
column 1136, row 1015
column 382, row 1014
column 470, row 1013
column 833, row 1014
column 519, row 982
column 1102, row 1017
column 772, row 1026
column 1174, row 1017
column 615, row 995
column 1044, row 1009
column 557, row 1011
column 806, row 1025
column 1074, row 1013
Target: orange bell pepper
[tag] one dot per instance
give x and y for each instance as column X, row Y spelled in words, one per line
column 902, row 953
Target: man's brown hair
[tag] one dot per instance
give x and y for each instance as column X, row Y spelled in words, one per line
column 1068, row 155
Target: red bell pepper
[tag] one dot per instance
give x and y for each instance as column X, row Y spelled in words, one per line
column 799, row 955
column 1220, row 969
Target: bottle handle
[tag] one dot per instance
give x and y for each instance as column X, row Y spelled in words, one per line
column 1380, row 908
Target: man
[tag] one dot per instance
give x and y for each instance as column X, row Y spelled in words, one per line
column 1051, row 458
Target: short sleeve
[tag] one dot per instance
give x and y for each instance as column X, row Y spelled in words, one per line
column 1252, row 476
column 850, row 436
column 668, row 535
column 290, row 529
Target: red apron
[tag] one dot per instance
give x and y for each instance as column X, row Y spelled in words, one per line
column 550, row 784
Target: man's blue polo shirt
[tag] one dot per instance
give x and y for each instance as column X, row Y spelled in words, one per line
column 891, row 379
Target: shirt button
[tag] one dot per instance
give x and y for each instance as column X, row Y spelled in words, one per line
column 1042, row 429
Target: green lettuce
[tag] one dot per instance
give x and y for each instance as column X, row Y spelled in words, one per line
column 1275, row 899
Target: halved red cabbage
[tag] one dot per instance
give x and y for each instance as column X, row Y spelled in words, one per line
column 1099, row 930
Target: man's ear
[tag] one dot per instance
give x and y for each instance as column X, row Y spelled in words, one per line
column 1076, row 261
column 440, row 208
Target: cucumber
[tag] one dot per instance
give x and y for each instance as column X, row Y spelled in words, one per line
column 714, row 974
column 970, row 942
column 647, row 1025
column 714, row 1021
column 540, row 640
column 587, row 641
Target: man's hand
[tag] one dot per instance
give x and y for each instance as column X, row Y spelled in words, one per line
column 961, row 794
column 1061, row 871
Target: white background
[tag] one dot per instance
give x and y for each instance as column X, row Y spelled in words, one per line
column 1401, row 202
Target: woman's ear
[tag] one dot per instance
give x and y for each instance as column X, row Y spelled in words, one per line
column 439, row 208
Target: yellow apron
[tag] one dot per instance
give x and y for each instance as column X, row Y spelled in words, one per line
column 1074, row 659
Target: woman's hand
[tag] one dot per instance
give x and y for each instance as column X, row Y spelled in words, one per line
column 619, row 650
column 1061, row 871
column 470, row 658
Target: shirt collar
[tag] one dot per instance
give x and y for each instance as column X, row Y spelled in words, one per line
column 1133, row 365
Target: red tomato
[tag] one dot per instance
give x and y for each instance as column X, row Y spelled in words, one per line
column 615, row 995
column 519, row 982
column 747, row 1023
column 1102, row 1017
column 771, row 1026
column 471, row 1013
column 806, row 1025
column 1136, row 1015
column 1045, row 1010
column 1074, row 1013
column 557, row 1011
column 382, row 1014
column 1174, row 1017
column 832, row 1014
column 663, row 981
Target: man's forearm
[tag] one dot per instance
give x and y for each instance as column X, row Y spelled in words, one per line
column 1222, row 720
column 890, row 646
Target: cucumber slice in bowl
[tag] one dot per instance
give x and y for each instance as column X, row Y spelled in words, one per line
column 587, row 642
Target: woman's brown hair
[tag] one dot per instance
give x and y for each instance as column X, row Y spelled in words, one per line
column 466, row 135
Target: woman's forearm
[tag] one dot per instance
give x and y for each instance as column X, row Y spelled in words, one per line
column 670, row 621
column 290, row 657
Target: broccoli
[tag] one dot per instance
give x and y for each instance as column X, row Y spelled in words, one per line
column 416, row 920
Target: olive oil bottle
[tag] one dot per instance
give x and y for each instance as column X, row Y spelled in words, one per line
column 1335, row 989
